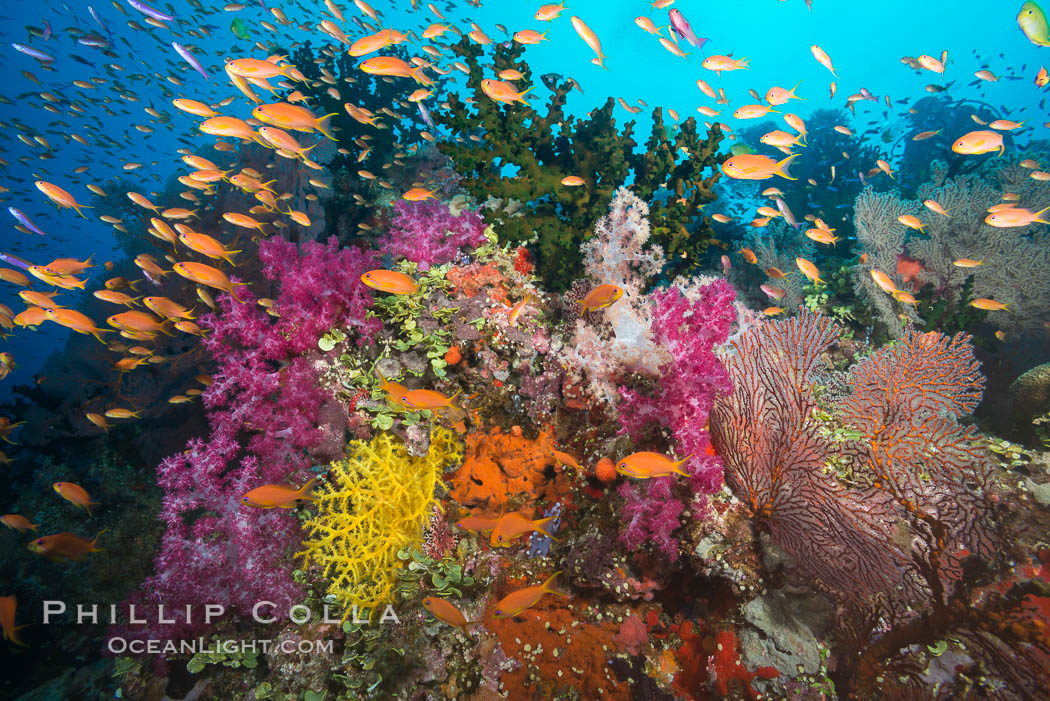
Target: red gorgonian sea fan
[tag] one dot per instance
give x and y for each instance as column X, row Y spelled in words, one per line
column 880, row 497
column 888, row 479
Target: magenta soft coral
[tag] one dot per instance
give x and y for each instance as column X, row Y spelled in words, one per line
column 688, row 327
column 429, row 234
column 268, row 417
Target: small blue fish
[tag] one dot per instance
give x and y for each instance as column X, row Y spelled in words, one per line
column 149, row 11
column 25, row 221
column 30, row 51
column 185, row 53
column 15, row 260
column 425, row 114
column 94, row 15
column 47, row 31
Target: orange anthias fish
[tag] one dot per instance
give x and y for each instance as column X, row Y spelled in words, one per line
column 444, row 610
column 504, row 92
column 1009, row 217
column 279, row 496
column 513, row 525
column 646, row 464
column 286, row 116
column 590, row 38
column 423, row 399
column 390, row 281
column 478, row 524
column 17, row 522
column 72, row 319
column 601, row 296
column 989, row 305
column 74, row 494
column 724, row 63
column 516, row 602
column 754, row 166
column 7, row 620
column 808, row 269
column 396, row 67
column 566, row 459
column 207, row 275
column 65, row 546
column 978, row 142
column 206, row 246
column 60, row 197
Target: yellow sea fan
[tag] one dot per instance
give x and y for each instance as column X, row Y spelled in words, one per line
column 377, row 501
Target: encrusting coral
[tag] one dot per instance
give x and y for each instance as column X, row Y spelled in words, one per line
column 376, row 503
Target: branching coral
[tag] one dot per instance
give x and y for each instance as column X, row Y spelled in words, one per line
column 378, row 502
column 524, row 155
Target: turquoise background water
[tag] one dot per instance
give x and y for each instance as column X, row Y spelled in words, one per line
column 865, row 41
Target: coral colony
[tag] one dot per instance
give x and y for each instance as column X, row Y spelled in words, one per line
column 441, row 394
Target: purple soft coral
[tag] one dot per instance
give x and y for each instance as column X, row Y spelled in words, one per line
column 688, row 328
column 429, row 234
column 269, row 419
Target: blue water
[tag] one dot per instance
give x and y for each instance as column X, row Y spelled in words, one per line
column 864, row 40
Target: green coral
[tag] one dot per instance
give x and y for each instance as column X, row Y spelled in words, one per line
column 223, row 652
column 443, row 577
column 375, row 504
column 516, row 153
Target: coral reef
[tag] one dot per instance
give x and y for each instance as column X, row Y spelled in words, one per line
column 376, row 504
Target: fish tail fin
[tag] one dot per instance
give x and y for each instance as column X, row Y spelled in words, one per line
column 1039, row 214
column 796, row 88
column 87, row 263
column 78, row 207
column 600, row 61
column 14, row 637
column 94, row 547
column 165, row 327
column 133, row 283
column 743, row 62
column 781, row 168
column 228, row 256
column 547, row 585
column 96, row 333
column 306, row 491
column 34, row 526
column 541, row 526
column 324, row 127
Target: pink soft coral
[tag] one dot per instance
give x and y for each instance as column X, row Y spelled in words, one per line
column 429, row 234
column 268, row 418
column 687, row 327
